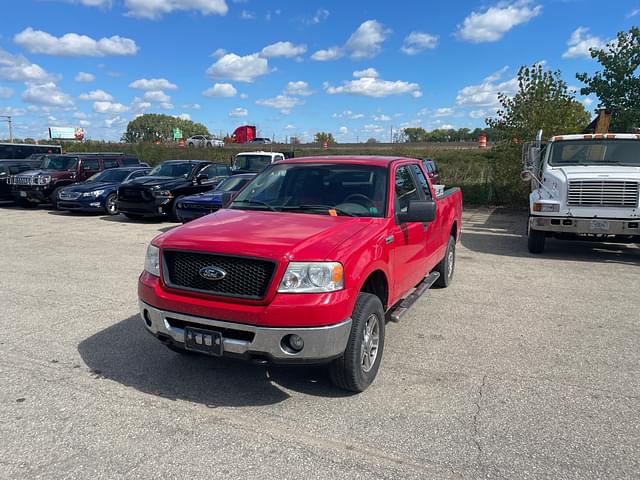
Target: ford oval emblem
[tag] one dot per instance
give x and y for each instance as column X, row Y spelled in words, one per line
column 212, row 273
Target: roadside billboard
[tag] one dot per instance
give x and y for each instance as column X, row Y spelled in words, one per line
column 66, row 133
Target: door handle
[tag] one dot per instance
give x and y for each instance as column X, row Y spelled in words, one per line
column 389, row 239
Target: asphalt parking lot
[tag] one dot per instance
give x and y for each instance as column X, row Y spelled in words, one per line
column 526, row 367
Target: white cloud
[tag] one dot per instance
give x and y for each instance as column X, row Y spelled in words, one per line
column 368, row 72
column 96, row 96
column 84, row 77
column 332, row 53
column 247, row 15
column 220, row 90
column 491, row 24
column 343, row 131
column 485, row 94
column 348, row 114
column 109, row 107
column 243, row 96
column 298, row 88
column 290, row 127
column 320, row 16
column 6, row 92
column 117, row 120
column 239, row 112
column 46, row 94
column 381, row 117
column 153, row 9
column 153, row 84
column 443, row 112
column 16, row 68
column 580, row 42
column 184, row 116
column 94, row 3
column 192, row 106
column 283, row 49
column 446, row 126
column 477, row 114
column 12, row 111
column 74, row 45
column 372, row 128
column 417, row 42
column 219, row 52
column 166, row 105
column 156, row 96
column 375, row 87
column 80, row 115
column 283, row 103
column 140, row 105
column 366, row 41
column 239, row 69
column 587, row 101
column 634, row 13
column 494, row 77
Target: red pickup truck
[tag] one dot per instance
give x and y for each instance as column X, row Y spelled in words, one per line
column 305, row 265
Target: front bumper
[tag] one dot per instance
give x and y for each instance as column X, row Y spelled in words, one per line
column 82, row 205
column 584, row 226
column 321, row 344
column 151, row 208
column 36, row 194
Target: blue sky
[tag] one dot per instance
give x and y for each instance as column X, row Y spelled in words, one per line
column 353, row 68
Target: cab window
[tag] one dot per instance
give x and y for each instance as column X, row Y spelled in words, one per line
column 422, row 180
column 405, row 189
column 110, row 163
column 90, row 164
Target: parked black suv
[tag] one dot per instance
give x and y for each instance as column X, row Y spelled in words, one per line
column 13, row 167
column 155, row 195
column 58, row 171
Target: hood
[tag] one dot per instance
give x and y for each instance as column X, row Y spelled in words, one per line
column 599, row 172
column 166, row 183
column 274, row 235
column 205, row 198
column 91, row 186
column 51, row 173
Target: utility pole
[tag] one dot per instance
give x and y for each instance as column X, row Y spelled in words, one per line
column 391, row 134
column 8, row 120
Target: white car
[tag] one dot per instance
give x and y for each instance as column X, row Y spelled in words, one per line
column 204, row 141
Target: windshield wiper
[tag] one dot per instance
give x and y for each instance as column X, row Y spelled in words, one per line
column 319, row 207
column 256, row 202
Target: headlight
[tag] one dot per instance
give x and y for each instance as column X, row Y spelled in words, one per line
column 152, row 260
column 43, row 179
column 312, row 277
column 162, row 193
column 546, row 207
column 95, row 193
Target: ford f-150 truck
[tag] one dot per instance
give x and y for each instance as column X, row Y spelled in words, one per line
column 304, row 265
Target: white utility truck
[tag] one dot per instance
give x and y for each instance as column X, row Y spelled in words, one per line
column 583, row 187
column 254, row 162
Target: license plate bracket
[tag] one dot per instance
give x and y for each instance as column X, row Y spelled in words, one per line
column 599, row 226
column 204, row 341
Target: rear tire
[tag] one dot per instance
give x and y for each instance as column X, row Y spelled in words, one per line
column 110, row 206
column 536, row 241
column 358, row 366
column 174, row 209
column 446, row 267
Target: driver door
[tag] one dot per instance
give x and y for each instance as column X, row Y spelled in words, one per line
column 407, row 240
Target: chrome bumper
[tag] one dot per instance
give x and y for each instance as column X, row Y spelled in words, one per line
column 583, row 226
column 320, row 343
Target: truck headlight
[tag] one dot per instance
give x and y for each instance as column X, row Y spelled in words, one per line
column 43, row 179
column 163, row 193
column 152, row 260
column 95, row 193
column 312, row 277
column 546, row 207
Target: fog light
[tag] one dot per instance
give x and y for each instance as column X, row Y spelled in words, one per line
column 292, row 343
column 94, row 204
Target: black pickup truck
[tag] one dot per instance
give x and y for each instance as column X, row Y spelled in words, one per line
column 155, row 195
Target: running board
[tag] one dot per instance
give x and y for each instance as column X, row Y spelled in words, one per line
column 399, row 310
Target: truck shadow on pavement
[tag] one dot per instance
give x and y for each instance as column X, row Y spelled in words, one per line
column 127, row 354
column 504, row 233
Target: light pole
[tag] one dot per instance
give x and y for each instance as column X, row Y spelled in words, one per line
column 7, row 118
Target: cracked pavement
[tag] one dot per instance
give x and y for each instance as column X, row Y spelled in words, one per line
column 526, row 367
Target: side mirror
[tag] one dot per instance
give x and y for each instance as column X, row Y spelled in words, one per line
column 418, row 211
column 227, row 198
column 202, row 177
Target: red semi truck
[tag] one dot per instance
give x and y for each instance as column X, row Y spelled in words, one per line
column 244, row 134
column 305, row 265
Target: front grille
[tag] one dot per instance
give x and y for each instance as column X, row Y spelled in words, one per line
column 69, row 195
column 21, row 180
column 134, row 194
column 245, row 277
column 603, row 193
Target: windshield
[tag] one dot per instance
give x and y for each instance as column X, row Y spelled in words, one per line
column 251, row 163
column 116, row 176
column 595, row 152
column 173, row 169
column 325, row 189
column 60, row 163
column 232, row 184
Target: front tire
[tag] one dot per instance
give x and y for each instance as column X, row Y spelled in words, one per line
column 110, row 206
column 446, row 267
column 536, row 241
column 54, row 198
column 358, row 366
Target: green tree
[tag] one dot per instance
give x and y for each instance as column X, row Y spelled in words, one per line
column 324, row 137
column 543, row 101
column 152, row 126
column 617, row 86
column 415, row 134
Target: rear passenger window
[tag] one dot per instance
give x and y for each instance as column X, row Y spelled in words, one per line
column 405, row 189
column 422, row 180
column 110, row 163
column 129, row 161
column 90, row 164
column 222, row 170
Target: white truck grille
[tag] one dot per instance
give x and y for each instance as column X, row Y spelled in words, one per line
column 603, row 193
column 21, row 180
